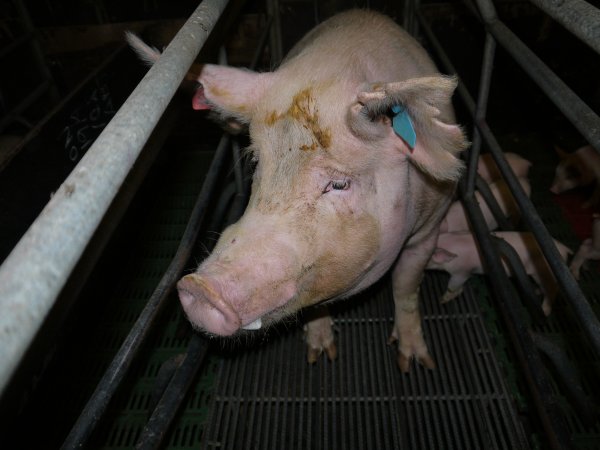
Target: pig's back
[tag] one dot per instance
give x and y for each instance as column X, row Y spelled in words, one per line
column 359, row 46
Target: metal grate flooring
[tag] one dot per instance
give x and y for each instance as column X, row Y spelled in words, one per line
column 268, row 397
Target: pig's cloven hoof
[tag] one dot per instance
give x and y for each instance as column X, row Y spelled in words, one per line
column 450, row 295
column 420, row 353
column 319, row 337
column 314, row 353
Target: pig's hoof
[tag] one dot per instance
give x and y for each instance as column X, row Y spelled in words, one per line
column 546, row 307
column 319, row 337
column 314, row 353
column 450, row 295
column 404, row 362
column 407, row 353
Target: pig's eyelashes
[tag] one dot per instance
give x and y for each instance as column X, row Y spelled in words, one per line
column 337, row 185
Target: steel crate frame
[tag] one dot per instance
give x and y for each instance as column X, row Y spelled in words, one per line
column 581, row 19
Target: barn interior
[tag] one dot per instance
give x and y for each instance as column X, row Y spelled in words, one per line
column 114, row 363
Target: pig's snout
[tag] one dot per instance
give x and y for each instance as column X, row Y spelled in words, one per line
column 206, row 307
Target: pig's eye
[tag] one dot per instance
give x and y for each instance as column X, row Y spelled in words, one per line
column 337, row 185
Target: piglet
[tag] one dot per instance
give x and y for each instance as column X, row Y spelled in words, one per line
column 487, row 169
column 457, row 254
column 456, row 217
column 578, row 169
column 589, row 249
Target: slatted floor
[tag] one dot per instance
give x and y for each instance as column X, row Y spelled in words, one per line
column 268, row 397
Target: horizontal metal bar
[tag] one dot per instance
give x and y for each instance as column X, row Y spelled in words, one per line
column 577, row 16
column 34, row 273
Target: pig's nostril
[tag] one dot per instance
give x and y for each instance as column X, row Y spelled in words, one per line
column 205, row 306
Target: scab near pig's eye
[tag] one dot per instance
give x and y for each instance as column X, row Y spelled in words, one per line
column 337, row 185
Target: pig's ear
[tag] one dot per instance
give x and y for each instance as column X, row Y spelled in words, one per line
column 232, row 92
column 432, row 145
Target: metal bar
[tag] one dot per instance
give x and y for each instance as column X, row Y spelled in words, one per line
column 16, row 43
column 549, row 410
column 485, row 80
column 24, row 104
column 36, row 49
column 275, row 41
column 106, row 388
column 517, row 269
column 39, row 266
column 584, row 312
column 577, row 16
column 262, row 42
column 156, row 429
column 486, row 194
column 575, row 109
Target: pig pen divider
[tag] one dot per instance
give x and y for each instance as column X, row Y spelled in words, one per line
column 588, row 123
column 39, row 266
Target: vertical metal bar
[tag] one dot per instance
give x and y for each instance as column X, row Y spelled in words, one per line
column 35, row 272
column 481, row 108
column 36, row 49
column 275, row 42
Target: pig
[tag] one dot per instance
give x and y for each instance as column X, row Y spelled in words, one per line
column 458, row 254
column 487, row 169
column 456, row 217
column 589, row 249
column 578, row 169
column 338, row 196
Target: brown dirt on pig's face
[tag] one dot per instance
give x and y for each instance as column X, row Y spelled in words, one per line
column 304, row 111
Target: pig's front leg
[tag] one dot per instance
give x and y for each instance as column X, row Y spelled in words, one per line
column 318, row 334
column 406, row 278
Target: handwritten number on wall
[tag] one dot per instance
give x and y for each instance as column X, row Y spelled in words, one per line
column 86, row 121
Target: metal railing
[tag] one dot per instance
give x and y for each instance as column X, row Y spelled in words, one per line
column 33, row 275
column 234, row 198
column 574, row 15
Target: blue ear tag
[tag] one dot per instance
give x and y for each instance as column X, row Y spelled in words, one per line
column 403, row 126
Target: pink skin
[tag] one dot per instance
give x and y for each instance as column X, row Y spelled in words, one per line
column 458, row 254
column 578, row 169
column 337, row 197
column 589, row 249
column 487, row 169
column 456, row 218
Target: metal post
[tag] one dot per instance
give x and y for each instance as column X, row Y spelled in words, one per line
column 485, row 80
column 34, row 273
column 275, row 43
